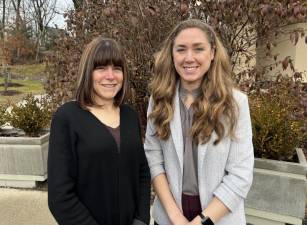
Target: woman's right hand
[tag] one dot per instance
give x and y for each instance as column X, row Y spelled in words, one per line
column 180, row 220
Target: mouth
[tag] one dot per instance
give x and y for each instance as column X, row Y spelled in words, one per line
column 190, row 68
column 108, row 85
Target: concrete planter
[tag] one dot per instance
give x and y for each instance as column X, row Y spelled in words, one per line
column 23, row 160
column 277, row 195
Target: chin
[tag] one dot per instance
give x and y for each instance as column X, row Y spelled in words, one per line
column 191, row 80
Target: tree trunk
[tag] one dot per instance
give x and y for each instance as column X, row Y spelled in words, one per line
column 4, row 65
column 3, row 18
column 38, row 42
column 18, row 22
column 6, row 81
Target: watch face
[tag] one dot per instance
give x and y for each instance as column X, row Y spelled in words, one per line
column 208, row 221
column 205, row 220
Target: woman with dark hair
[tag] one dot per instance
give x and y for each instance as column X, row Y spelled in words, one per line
column 97, row 169
column 199, row 138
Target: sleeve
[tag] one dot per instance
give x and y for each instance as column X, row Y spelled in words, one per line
column 143, row 212
column 138, row 222
column 239, row 166
column 62, row 169
column 152, row 147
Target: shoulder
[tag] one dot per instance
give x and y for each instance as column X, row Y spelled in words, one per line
column 128, row 113
column 242, row 104
column 129, row 117
column 68, row 109
column 128, row 110
column 239, row 96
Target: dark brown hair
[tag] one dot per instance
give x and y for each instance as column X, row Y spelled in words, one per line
column 100, row 52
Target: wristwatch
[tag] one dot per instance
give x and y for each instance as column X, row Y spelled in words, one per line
column 205, row 220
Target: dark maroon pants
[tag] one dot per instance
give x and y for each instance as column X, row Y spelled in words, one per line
column 190, row 206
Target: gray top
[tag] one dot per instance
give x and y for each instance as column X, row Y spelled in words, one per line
column 190, row 181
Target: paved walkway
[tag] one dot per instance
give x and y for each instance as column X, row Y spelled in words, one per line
column 28, row 207
column 24, row 207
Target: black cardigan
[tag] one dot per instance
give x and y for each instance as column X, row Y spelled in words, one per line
column 89, row 181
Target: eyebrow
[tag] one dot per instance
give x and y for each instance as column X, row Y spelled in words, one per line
column 194, row 45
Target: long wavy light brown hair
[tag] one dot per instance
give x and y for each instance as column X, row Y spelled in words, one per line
column 214, row 109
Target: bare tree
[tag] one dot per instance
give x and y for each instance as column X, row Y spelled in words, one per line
column 3, row 61
column 17, row 5
column 43, row 12
column 18, row 19
column 3, row 18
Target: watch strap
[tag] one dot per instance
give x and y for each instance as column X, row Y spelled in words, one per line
column 205, row 220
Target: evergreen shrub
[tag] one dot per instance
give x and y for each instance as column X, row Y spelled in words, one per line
column 32, row 115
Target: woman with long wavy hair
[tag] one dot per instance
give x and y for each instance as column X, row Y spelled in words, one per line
column 199, row 138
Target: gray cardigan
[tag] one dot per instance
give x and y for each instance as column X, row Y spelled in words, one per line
column 224, row 170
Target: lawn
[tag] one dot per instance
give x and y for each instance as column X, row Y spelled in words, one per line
column 30, row 71
column 25, row 79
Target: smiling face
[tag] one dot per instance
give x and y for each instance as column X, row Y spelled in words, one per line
column 107, row 82
column 192, row 56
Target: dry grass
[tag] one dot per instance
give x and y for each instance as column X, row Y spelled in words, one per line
column 25, row 79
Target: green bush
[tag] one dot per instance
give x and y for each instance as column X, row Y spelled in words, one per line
column 276, row 129
column 32, row 115
column 3, row 108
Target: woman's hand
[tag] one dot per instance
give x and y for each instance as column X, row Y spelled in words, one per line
column 195, row 221
column 180, row 220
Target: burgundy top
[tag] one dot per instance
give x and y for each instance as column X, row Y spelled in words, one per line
column 116, row 135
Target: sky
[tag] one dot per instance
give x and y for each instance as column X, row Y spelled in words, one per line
column 62, row 5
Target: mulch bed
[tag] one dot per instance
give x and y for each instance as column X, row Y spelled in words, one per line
column 9, row 93
column 10, row 84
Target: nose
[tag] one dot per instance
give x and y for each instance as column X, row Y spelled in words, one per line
column 110, row 73
column 189, row 57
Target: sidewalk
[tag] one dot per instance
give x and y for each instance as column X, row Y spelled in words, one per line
column 24, row 207
column 28, row 207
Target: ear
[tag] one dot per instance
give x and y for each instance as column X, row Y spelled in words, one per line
column 212, row 53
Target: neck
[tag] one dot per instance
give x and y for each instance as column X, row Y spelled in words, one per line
column 189, row 94
column 109, row 108
column 190, row 87
column 105, row 104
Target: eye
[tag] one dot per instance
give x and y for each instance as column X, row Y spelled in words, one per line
column 180, row 50
column 199, row 49
column 100, row 68
column 118, row 68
